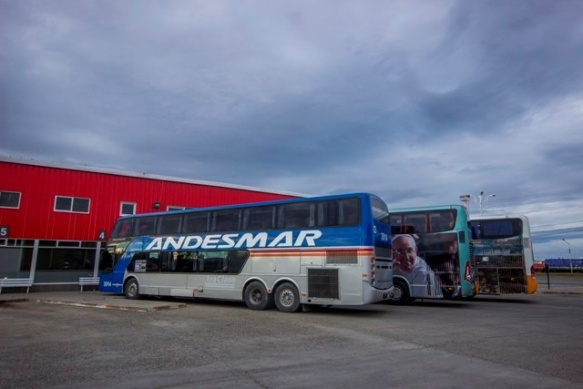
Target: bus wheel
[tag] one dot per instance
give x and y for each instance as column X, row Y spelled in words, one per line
column 132, row 289
column 287, row 298
column 256, row 296
column 401, row 293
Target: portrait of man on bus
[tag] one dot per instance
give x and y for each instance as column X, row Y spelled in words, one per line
column 408, row 264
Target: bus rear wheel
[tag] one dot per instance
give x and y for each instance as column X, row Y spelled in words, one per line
column 132, row 289
column 256, row 296
column 401, row 293
column 287, row 297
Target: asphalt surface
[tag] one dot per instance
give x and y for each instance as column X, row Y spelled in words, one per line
column 92, row 340
column 93, row 299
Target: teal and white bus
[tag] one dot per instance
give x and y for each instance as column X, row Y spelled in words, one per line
column 331, row 250
column 432, row 253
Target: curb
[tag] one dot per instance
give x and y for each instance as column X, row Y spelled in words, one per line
column 110, row 306
column 566, row 292
column 16, row 300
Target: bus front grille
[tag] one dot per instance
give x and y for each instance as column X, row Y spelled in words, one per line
column 323, row 283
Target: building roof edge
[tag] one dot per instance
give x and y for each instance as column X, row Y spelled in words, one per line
column 157, row 177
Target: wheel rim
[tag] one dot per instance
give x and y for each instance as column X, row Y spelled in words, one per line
column 287, row 298
column 397, row 293
column 256, row 296
column 132, row 289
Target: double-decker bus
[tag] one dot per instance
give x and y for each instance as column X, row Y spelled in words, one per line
column 504, row 258
column 331, row 250
column 431, row 253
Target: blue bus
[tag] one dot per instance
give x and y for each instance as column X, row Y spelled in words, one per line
column 331, row 250
column 432, row 252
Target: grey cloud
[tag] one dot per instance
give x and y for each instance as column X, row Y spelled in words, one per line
column 322, row 97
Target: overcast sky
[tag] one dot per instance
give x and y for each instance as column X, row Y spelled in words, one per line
column 418, row 102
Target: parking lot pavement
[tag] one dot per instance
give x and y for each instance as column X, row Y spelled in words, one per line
column 560, row 284
column 486, row 343
column 94, row 299
column 571, row 290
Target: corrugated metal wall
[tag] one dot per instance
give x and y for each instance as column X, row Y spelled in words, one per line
column 38, row 185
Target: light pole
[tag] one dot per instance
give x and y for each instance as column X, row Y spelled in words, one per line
column 465, row 200
column 483, row 199
column 570, row 255
column 480, row 200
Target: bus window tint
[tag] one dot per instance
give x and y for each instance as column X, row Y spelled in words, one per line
column 299, row 215
column 189, row 261
column 146, row 226
column 326, row 214
column 196, row 222
column 442, row 220
column 416, row 222
column 124, row 228
column 501, row 228
column 349, row 212
column 380, row 211
column 227, row 220
column 185, row 261
column 169, row 224
column 145, row 262
column 259, row 218
column 341, row 212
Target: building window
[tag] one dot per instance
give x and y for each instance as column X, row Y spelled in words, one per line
column 71, row 204
column 175, row 208
column 127, row 209
column 9, row 199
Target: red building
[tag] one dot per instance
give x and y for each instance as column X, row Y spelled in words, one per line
column 54, row 218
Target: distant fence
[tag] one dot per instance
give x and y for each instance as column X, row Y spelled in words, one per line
column 564, row 264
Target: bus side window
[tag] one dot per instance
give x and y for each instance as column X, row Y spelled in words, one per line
column 236, row 260
column 169, row 224
column 196, row 222
column 259, row 218
column 146, row 226
column 299, row 215
column 227, row 220
column 416, row 222
column 126, row 230
column 123, row 228
column 438, row 224
column 348, row 212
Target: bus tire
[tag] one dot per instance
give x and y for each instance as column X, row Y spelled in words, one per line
column 401, row 293
column 287, row 297
column 131, row 289
column 256, row 296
